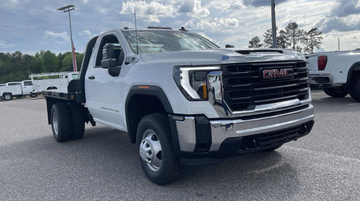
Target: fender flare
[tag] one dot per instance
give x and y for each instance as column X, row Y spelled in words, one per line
column 150, row 91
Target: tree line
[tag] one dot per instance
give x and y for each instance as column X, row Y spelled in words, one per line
column 291, row 37
column 18, row 66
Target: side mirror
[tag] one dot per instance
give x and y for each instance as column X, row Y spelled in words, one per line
column 229, row 46
column 108, row 58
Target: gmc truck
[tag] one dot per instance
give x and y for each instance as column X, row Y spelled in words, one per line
column 337, row 73
column 183, row 100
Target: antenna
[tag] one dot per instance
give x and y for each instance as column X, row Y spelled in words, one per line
column 137, row 46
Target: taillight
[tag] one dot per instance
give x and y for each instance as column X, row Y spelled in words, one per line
column 322, row 61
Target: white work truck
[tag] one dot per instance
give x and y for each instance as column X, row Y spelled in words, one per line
column 51, row 81
column 16, row 89
column 337, row 73
column 157, row 85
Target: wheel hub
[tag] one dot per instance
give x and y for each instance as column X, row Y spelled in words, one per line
column 151, row 151
column 55, row 124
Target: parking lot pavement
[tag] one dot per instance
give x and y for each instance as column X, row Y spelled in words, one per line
column 325, row 165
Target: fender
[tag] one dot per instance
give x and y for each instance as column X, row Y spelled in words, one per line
column 354, row 67
column 150, row 91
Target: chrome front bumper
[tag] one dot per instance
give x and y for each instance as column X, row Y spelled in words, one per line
column 222, row 130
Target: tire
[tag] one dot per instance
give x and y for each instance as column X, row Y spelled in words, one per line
column 156, row 146
column 77, row 121
column 18, row 97
column 60, row 122
column 33, row 95
column 272, row 148
column 336, row 92
column 8, row 96
column 355, row 89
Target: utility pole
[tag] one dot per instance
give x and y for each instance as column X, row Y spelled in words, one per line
column 339, row 44
column 273, row 20
column 68, row 9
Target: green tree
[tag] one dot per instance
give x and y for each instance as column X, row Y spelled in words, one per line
column 311, row 40
column 51, row 62
column 294, row 34
column 18, row 66
column 255, row 42
column 268, row 38
column 66, row 62
column 283, row 40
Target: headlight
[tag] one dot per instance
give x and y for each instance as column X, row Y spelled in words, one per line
column 192, row 81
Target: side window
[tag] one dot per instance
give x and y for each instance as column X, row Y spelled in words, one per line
column 75, row 76
column 28, row 83
column 109, row 39
column 13, row 84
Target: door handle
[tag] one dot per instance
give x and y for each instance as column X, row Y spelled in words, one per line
column 91, row 77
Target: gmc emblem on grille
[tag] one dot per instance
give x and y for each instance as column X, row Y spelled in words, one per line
column 278, row 73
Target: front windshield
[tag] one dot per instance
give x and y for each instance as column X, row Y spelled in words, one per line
column 153, row 41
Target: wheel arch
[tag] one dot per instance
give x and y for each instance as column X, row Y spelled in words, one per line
column 142, row 101
column 51, row 87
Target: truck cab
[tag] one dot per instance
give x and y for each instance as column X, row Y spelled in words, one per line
column 184, row 100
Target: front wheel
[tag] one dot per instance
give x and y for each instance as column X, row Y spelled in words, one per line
column 156, row 149
column 336, row 92
column 33, row 95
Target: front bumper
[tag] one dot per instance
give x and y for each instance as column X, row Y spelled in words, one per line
column 198, row 137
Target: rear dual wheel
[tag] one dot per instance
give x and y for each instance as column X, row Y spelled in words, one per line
column 67, row 122
column 355, row 89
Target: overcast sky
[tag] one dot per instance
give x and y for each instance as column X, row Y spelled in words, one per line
column 33, row 25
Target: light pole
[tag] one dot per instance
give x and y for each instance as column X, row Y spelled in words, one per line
column 68, row 9
column 273, row 21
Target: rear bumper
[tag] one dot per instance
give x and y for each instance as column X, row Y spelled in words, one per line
column 196, row 137
column 321, row 80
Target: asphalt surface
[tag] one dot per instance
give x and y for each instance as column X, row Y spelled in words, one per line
column 325, row 165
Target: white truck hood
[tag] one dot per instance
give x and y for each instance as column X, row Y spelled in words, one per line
column 221, row 56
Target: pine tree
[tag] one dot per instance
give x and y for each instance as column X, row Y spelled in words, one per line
column 283, row 40
column 255, row 42
column 294, row 34
column 268, row 38
column 312, row 39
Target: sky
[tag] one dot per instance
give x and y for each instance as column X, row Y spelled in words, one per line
column 33, row 25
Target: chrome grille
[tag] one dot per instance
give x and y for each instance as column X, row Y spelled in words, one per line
column 245, row 88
